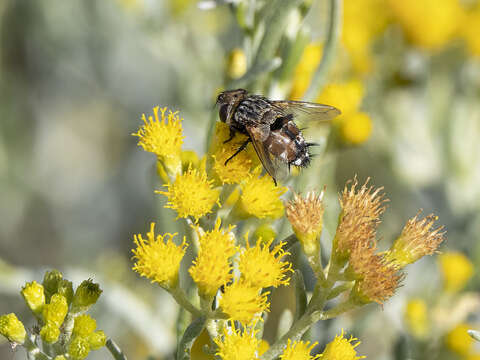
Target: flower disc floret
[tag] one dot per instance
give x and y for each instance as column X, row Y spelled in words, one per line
column 262, row 267
column 12, row 328
column 299, row 350
column 212, row 267
column 237, row 345
column 158, row 257
column 84, row 325
column 56, row 310
column 341, row 349
column 261, row 197
column 191, row 194
column 243, row 303
column 34, row 296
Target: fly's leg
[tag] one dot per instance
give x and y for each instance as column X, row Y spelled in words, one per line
column 243, row 146
column 232, row 135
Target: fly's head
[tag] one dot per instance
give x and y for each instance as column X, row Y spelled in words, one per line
column 228, row 101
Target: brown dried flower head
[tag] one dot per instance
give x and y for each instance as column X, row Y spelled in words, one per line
column 360, row 216
column 306, row 217
column 418, row 238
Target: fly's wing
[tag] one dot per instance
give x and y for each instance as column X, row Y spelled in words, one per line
column 272, row 166
column 306, row 111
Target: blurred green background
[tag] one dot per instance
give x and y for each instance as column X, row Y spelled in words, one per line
column 75, row 77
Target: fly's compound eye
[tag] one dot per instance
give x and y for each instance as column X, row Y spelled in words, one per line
column 223, row 112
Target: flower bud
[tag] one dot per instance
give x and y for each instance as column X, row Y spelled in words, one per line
column 97, row 340
column 34, row 296
column 84, row 325
column 50, row 283
column 236, row 64
column 12, row 328
column 79, row 348
column 56, row 311
column 86, row 295
column 50, row 332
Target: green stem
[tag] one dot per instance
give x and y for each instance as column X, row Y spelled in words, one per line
column 34, row 351
column 181, row 298
column 116, row 352
column 338, row 310
column 337, row 290
column 333, row 35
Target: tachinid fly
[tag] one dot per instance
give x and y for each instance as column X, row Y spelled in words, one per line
column 270, row 127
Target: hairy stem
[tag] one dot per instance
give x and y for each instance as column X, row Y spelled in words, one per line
column 182, row 300
column 116, row 352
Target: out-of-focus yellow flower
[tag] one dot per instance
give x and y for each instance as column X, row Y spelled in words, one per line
column 237, row 345
column 458, row 340
column 346, row 96
column 363, row 21
column 158, row 258
column 298, row 350
column 12, row 328
column 34, row 296
column 306, row 217
column 416, row 317
column 430, row 24
column 311, row 56
column 470, row 28
column 212, row 267
column 236, row 63
column 341, row 349
column 244, row 303
column 417, row 239
column 191, row 194
column 56, row 310
column 261, row 197
column 266, row 232
column 356, row 128
column 456, row 269
column 261, row 267
column 263, row 347
column 163, row 137
column 360, row 216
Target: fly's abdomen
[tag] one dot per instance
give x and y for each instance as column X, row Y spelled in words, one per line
column 288, row 145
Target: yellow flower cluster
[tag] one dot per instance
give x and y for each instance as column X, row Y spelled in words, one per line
column 354, row 127
column 456, row 269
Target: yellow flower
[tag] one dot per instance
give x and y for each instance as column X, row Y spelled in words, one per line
column 237, row 168
column 84, row 325
column 236, row 63
column 212, row 267
column 456, row 269
column 12, row 328
column 261, row 267
column 158, row 258
column 416, row 317
column 311, row 56
column 261, row 198
column 97, row 340
column 237, row 345
column 418, row 238
column 306, row 217
column 470, row 29
column 346, row 96
column 163, row 138
column 50, row 332
column 430, row 24
column 79, row 348
column 298, row 350
column 356, row 128
column 243, row 303
column 191, row 194
column 34, row 296
column 363, row 21
column 360, row 216
column 56, row 310
column 459, row 341
column 341, row 349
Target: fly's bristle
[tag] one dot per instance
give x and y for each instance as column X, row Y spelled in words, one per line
column 312, row 144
